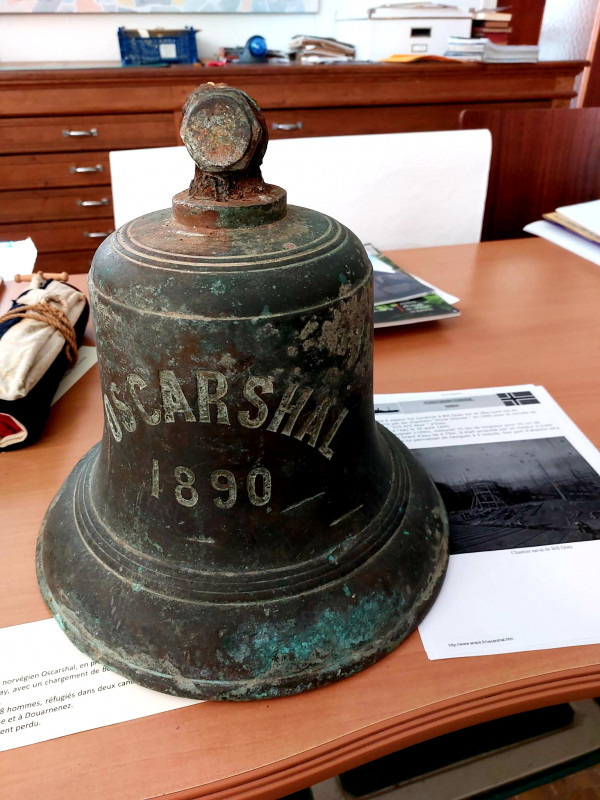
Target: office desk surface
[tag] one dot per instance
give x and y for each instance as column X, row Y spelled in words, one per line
column 530, row 315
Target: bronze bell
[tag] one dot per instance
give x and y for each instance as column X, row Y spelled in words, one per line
column 244, row 529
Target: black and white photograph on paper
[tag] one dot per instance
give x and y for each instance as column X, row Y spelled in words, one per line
column 506, row 495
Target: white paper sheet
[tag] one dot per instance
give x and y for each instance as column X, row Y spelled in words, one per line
column 564, row 238
column 48, row 688
column 521, row 485
column 452, row 299
column 88, row 356
column 585, row 214
column 17, row 258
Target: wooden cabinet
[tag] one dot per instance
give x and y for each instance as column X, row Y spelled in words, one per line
column 57, row 189
column 57, row 126
column 58, row 204
column 93, row 132
column 54, row 170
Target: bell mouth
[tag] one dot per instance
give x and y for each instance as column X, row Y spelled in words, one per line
column 246, row 648
column 269, row 205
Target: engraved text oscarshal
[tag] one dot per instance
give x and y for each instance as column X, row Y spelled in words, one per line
column 126, row 405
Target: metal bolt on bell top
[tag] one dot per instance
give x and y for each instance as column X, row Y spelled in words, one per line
column 244, row 529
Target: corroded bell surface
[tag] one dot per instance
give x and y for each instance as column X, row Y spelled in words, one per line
column 244, row 529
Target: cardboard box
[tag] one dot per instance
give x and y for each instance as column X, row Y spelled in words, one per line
column 384, row 31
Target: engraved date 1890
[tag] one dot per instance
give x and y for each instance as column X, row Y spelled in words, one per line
column 258, row 486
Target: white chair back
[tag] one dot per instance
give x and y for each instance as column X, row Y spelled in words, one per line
column 395, row 190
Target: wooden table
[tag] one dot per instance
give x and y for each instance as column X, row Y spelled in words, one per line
column 530, row 315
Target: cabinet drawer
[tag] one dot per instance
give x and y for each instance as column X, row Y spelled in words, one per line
column 97, row 132
column 71, row 262
column 54, row 169
column 54, row 237
column 356, row 120
column 37, row 205
column 374, row 119
column 301, row 122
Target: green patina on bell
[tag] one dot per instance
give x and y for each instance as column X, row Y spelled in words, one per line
column 240, row 530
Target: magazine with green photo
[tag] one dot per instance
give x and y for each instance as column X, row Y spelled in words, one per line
column 391, row 283
column 401, row 299
column 421, row 309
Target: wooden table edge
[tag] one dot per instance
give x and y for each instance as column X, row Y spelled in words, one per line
column 327, row 760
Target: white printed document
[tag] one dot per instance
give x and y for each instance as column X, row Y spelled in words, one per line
column 564, row 238
column 17, row 258
column 587, row 215
column 521, row 485
column 49, row 688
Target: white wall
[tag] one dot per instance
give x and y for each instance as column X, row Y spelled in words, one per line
column 566, row 32
column 93, row 37
column 566, row 29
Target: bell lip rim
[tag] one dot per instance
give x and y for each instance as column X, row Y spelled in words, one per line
column 355, row 659
column 233, row 690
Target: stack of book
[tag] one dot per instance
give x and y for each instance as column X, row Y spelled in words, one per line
column 492, row 25
column 320, row 50
column 483, row 50
column 509, row 53
column 464, row 48
column 401, row 299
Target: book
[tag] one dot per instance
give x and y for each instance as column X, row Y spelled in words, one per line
column 465, row 43
column 391, row 283
column 560, row 219
column 492, row 25
column 428, row 308
column 509, row 53
column 495, row 32
column 467, row 49
column 407, row 299
column 394, row 287
column 320, row 49
column 586, row 216
column 492, row 16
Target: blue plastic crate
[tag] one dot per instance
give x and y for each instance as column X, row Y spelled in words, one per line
column 140, row 47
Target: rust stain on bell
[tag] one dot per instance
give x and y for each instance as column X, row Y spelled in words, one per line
column 240, row 530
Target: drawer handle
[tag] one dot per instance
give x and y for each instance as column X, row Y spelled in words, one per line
column 286, row 126
column 96, row 234
column 89, row 203
column 91, row 132
column 97, row 168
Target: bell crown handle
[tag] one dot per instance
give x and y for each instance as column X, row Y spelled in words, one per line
column 223, row 129
column 225, row 133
